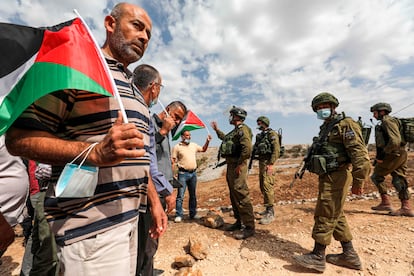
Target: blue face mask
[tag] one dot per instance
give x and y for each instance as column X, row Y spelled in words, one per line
column 153, row 102
column 187, row 141
column 323, row 113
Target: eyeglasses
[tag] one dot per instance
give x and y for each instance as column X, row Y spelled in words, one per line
column 161, row 86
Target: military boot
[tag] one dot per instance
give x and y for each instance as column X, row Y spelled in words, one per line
column 313, row 260
column 235, row 226
column 244, row 233
column 405, row 209
column 349, row 258
column 385, row 204
column 269, row 216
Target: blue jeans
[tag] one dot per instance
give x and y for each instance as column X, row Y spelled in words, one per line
column 190, row 180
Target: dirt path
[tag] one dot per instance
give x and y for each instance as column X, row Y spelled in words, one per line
column 384, row 243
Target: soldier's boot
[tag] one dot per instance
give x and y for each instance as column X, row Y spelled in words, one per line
column 349, row 258
column 405, row 209
column 269, row 216
column 314, row 260
column 244, row 233
column 235, row 226
column 385, row 204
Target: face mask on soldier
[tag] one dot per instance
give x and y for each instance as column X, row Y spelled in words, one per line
column 230, row 118
column 323, row 113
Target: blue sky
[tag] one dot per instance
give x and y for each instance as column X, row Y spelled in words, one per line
column 270, row 57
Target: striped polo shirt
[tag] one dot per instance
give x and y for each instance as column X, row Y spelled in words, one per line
column 121, row 192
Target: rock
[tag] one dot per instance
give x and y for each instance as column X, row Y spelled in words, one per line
column 197, row 250
column 247, row 254
column 183, row 261
column 213, row 219
column 188, row 271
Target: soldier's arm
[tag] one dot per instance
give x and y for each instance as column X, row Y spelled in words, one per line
column 393, row 131
column 274, row 137
column 357, row 151
column 246, row 145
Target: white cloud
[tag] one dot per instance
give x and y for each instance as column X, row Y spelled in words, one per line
column 270, row 57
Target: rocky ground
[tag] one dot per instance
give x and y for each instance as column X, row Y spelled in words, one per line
column 384, row 243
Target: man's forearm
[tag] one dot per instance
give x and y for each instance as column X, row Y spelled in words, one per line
column 152, row 195
column 42, row 146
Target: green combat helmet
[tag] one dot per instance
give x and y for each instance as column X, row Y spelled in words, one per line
column 324, row 97
column 264, row 120
column 381, row 106
column 240, row 112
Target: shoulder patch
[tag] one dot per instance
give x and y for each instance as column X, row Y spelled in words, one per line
column 350, row 134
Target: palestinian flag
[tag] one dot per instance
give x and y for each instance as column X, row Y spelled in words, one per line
column 189, row 122
column 38, row 61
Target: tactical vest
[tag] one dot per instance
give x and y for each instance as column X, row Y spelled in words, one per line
column 263, row 144
column 229, row 145
column 327, row 157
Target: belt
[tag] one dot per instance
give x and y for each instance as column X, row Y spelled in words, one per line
column 184, row 170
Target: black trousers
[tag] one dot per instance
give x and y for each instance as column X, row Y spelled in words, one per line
column 147, row 247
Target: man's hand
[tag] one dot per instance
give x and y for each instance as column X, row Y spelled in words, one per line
column 269, row 169
column 7, row 234
column 170, row 202
column 238, row 170
column 160, row 221
column 214, row 126
column 122, row 141
column 167, row 124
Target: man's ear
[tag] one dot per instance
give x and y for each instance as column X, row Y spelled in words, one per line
column 109, row 23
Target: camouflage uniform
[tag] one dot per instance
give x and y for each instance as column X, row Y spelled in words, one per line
column 239, row 191
column 391, row 159
column 392, row 151
column 267, row 181
column 340, row 158
column 345, row 139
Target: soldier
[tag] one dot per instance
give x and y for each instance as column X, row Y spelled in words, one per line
column 237, row 148
column 338, row 146
column 267, row 150
column 391, row 159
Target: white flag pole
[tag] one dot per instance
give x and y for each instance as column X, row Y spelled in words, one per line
column 106, row 67
column 163, row 107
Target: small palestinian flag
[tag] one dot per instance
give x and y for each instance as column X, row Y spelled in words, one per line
column 38, row 61
column 189, row 122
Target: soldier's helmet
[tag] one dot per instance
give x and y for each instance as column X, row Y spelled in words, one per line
column 381, row 106
column 324, row 97
column 264, row 120
column 238, row 112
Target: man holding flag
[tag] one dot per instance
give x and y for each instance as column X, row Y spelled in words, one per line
column 97, row 234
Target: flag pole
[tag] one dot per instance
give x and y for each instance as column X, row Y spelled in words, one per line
column 106, row 67
column 163, row 107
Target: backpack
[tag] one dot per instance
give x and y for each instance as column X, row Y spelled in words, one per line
column 407, row 129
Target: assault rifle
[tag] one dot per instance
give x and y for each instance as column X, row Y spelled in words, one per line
column 219, row 164
column 303, row 166
column 253, row 157
column 317, row 142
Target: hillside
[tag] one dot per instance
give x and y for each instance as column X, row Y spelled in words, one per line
column 385, row 243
